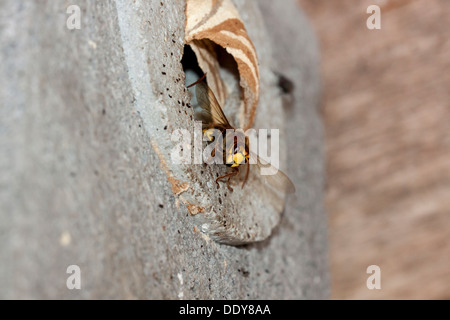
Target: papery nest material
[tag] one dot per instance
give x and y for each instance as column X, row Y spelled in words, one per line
column 210, row 22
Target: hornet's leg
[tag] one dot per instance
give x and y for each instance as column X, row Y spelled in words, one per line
column 229, row 175
column 246, row 175
column 199, row 80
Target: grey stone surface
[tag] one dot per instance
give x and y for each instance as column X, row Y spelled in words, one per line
column 81, row 184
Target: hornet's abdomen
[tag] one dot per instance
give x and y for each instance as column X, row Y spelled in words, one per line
column 234, row 146
column 236, row 156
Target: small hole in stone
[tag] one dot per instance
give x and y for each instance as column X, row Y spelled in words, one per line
column 190, row 65
column 228, row 73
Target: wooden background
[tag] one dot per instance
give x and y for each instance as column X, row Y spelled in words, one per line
column 386, row 106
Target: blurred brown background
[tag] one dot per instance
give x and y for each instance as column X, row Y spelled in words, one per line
column 386, row 108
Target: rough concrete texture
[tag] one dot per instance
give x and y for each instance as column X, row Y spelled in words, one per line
column 153, row 59
column 82, row 182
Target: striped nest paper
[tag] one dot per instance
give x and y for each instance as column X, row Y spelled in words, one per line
column 217, row 22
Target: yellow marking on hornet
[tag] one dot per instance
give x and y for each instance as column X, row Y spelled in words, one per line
column 209, row 134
